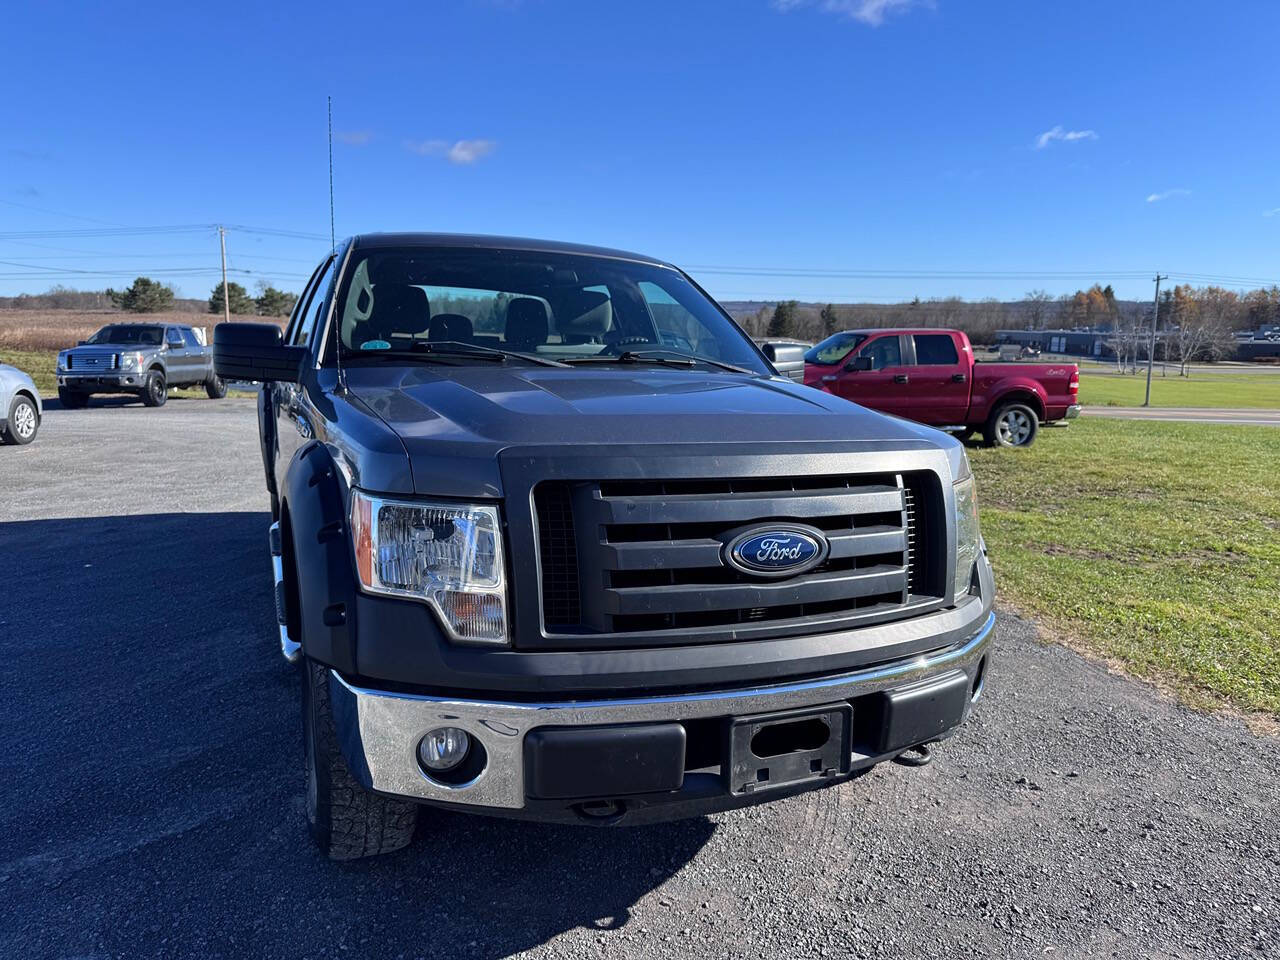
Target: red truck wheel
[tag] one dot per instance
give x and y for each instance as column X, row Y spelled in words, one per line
column 1012, row 425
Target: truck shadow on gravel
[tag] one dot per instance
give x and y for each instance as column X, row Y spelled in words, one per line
column 154, row 780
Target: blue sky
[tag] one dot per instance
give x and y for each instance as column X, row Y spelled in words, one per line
column 1005, row 143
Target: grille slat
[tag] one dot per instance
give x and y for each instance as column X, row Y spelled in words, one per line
column 693, row 597
column 744, row 507
column 645, row 559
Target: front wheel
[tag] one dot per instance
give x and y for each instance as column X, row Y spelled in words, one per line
column 1012, row 425
column 215, row 387
column 156, row 390
column 346, row 820
column 22, row 423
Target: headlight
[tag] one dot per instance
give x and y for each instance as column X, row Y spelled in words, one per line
column 130, row 361
column 62, row 360
column 448, row 554
column 968, row 539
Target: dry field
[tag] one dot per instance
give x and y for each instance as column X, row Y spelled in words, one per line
column 51, row 330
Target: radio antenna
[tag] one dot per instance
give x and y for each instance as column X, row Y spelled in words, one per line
column 333, row 245
column 333, row 249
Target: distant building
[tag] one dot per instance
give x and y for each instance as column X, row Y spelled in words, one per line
column 1075, row 343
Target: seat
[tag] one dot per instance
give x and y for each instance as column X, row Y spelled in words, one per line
column 526, row 328
column 456, row 327
column 398, row 310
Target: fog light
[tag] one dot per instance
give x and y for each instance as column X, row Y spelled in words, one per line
column 443, row 749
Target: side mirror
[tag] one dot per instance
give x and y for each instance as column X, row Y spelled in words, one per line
column 860, row 363
column 255, row 351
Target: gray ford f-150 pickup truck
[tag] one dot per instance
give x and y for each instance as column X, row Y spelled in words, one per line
column 145, row 359
column 552, row 540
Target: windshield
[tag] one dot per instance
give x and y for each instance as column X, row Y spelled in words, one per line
column 135, row 333
column 834, row 349
column 553, row 306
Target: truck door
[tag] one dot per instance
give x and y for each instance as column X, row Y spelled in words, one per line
column 199, row 358
column 877, row 376
column 940, row 380
column 176, row 360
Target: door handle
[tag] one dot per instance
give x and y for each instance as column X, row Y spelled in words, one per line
column 958, row 378
column 830, row 378
column 900, row 378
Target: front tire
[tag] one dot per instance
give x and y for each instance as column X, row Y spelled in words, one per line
column 346, row 820
column 23, row 422
column 156, row 390
column 1012, row 425
column 215, row 387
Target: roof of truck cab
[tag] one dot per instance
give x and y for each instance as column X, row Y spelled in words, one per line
column 909, row 330
column 482, row 242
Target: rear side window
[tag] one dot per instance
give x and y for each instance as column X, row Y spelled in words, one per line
column 190, row 337
column 174, row 336
column 885, row 352
column 936, row 350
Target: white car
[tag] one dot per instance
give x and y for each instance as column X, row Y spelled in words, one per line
column 20, row 406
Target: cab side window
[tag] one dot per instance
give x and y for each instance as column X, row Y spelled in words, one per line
column 884, row 352
column 189, row 336
column 310, row 315
column 174, row 336
column 936, row 350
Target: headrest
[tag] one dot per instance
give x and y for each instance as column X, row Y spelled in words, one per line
column 436, row 329
column 585, row 313
column 399, row 309
column 457, row 327
column 526, row 324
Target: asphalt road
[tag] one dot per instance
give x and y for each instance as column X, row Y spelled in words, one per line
column 153, row 787
column 1257, row 418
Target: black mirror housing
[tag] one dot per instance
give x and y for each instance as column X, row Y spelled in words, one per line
column 860, row 363
column 255, row 351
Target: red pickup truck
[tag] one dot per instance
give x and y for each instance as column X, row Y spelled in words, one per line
column 931, row 375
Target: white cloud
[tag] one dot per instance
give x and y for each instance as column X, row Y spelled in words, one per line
column 356, row 138
column 461, row 152
column 1175, row 192
column 870, row 12
column 1274, row 212
column 1067, row 136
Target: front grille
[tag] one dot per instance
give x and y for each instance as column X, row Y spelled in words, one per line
column 628, row 557
column 92, row 361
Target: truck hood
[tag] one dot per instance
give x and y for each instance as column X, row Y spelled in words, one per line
column 481, row 412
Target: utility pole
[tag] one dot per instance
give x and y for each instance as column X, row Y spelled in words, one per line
column 226, row 300
column 1151, row 348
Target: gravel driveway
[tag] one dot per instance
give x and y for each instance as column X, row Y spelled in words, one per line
column 153, row 791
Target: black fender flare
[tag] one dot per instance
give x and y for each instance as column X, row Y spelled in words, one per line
column 318, row 555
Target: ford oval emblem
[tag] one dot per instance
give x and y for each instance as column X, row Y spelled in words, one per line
column 777, row 551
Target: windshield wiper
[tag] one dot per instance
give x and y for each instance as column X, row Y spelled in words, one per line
column 663, row 357
column 453, row 350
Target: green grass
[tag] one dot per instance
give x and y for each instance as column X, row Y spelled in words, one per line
column 1257, row 390
column 37, row 364
column 1155, row 545
column 42, row 365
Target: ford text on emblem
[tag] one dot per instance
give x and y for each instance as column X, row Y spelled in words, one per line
column 776, row 551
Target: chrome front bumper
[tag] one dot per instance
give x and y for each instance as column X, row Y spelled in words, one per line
column 379, row 730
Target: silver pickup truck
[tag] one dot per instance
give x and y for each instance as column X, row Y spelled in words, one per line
column 145, row 359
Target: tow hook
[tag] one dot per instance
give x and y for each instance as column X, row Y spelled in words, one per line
column 917, row 756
